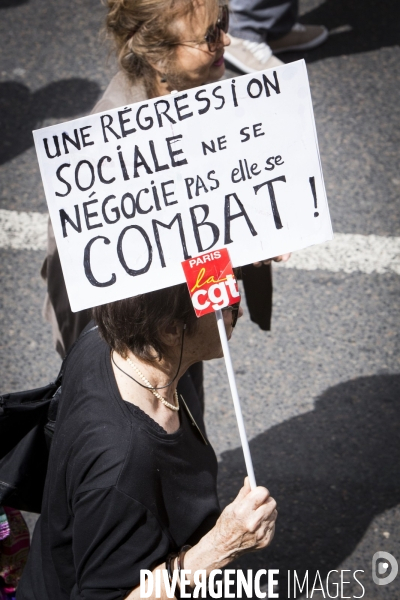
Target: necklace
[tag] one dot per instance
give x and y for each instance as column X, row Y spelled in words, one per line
column 150, row 387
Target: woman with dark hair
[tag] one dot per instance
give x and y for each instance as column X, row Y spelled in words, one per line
column 131, row 481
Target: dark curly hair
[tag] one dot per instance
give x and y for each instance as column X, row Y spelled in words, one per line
column 136, row 323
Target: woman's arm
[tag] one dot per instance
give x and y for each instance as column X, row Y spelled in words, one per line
column 247, row 524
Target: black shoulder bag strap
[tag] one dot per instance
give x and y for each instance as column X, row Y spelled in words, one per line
column 55, row 400
column 27, row 421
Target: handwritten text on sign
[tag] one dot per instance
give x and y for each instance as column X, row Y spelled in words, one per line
column 211, row 281
column 134, row 191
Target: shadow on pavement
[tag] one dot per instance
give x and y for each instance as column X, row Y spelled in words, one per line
column 12, row 3
column 331, row 472
column 22, row 111
column 373, row 25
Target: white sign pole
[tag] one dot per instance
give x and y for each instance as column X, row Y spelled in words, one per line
column 235, row 398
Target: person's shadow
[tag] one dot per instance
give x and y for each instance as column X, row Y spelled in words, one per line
column 21, row 111
column 356, row 26
column 331, row 472
column 12, row 3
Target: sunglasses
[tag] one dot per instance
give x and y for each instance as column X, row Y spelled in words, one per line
column 213, row 35
column 234, row 308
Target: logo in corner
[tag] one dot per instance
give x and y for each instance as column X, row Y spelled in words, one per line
column 385, row 564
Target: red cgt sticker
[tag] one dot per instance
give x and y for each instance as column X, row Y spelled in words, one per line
column 211, row 281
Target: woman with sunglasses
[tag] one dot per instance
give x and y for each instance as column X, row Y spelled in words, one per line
column 162, row 45
column 131, row 480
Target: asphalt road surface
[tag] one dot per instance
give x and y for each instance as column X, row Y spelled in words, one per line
column 321, row 392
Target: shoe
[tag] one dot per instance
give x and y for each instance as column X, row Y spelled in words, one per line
column 250, row 56
column 301, row 37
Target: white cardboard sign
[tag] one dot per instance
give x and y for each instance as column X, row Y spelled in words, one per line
column 134, row 191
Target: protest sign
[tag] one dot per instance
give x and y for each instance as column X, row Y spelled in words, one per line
column 134, row 191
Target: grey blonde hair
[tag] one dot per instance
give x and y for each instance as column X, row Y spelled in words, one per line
column 144, row 34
